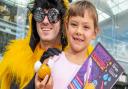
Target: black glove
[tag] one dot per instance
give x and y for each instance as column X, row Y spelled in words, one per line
column 50, row 52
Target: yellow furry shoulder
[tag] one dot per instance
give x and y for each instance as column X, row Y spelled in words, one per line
column 17, row 60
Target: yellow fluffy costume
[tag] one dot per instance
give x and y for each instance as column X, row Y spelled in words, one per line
column 18, row 61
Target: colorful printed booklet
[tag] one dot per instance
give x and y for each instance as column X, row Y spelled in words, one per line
column 100, row 68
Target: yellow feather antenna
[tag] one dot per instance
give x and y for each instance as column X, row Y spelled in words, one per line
column 66, row 3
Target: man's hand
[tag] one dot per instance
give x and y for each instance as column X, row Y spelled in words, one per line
column 46, row 83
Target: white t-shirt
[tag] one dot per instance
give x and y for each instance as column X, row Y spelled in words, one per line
column 63, row 71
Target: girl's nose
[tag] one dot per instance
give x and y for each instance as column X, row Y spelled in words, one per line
column 79, row 31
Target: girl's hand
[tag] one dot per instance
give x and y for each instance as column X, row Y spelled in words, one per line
column 46, row 83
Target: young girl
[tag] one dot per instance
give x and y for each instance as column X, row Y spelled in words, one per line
column 81, row 28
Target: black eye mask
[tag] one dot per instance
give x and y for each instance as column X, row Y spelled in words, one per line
column 53, row 15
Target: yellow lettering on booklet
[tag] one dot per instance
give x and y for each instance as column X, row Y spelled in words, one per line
column 89, row 86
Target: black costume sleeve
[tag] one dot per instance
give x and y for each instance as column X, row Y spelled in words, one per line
column 31, row 84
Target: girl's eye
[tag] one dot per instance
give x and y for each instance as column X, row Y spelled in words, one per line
column 86, row 27
column 73, row 24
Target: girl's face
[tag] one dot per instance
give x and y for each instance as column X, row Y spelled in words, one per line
column 80, row 31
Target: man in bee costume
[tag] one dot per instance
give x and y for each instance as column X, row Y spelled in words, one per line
column 46, row 31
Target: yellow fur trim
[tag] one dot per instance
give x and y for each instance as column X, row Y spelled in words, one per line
column 66, row 3
column 89, row 49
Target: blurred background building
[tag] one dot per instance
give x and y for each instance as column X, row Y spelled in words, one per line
column 113, row 22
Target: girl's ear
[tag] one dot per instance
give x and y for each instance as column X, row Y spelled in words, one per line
column 96, row 32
